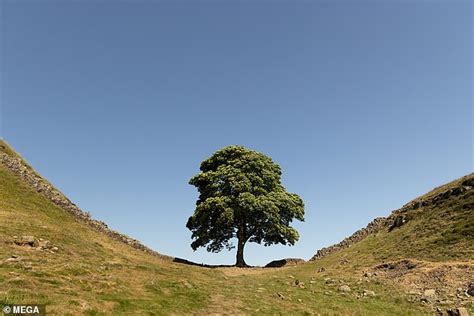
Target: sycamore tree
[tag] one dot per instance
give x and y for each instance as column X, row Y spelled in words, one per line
column 241, row 196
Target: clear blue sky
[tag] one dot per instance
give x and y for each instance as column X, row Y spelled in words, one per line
column 365, row 105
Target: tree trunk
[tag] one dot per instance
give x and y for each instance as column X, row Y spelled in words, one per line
column 240, row 262
column 240, row 254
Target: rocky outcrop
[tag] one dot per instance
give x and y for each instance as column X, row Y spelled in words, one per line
column 371, row 228
column 27, row 241
column 464, row 186
column 32, row 241
column 398, row 222
column 470, row 289
column 460, row 311
column 18, row 167
column 399, row 217
column 284, row 262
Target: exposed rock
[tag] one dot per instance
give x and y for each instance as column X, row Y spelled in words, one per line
column 468, row 182
column 460, row 311
column 44, row 244
column 284, row 262
column 398, row 222
column 368, row 293
column 13, row 258
column 344, row 288
column 372, row 227
column 470, row 289
column 367, row 274
column 321, row 270
column 394, row 267
column 32, row 241
column 27, row 241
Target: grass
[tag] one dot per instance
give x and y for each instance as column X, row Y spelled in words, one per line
column 92, row 274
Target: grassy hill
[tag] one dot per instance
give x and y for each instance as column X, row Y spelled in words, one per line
column 74, row 266
column 438, row 226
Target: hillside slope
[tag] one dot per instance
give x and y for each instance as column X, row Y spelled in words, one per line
column 437, row 226
column 81, row 269
column 75, row 265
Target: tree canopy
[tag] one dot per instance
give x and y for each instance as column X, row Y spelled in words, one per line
column 241, row 196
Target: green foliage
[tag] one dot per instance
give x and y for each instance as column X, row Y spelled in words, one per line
column 241, row 196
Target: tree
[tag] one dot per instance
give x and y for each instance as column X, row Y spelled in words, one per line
column 241, row 196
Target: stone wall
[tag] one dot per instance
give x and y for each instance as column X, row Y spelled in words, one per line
column 371, row 228
column 30, row 177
